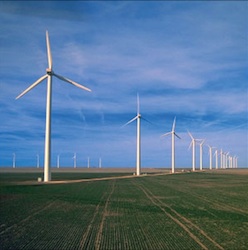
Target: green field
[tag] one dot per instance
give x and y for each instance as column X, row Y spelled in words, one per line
column 207, row 210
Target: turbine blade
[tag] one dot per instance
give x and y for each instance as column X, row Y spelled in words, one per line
column 174, row 124
column 138, row 104
column 146, row 120
column 199, row 141
column 190, row 145
column 32, row 86
column 71, row 82
column 49, row 54
column 177, row 135
column 169, row 133
column 190, row 135
column 136, row 117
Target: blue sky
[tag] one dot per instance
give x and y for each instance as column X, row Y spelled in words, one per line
column 185, row 59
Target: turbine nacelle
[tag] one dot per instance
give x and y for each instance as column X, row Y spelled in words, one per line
column 49, row 71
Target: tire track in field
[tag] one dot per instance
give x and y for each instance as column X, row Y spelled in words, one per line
column 216, row 204
column 172, row 214
column 85, row 242
column 99, row 234
column 27, row 218
column 221, row 205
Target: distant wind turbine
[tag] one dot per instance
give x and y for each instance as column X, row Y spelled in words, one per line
column 49, row 74
column 221, row 158
column 230, row 161
column 226, row 159
column 38, row 160
column 138, row 151
column 210, row 157
column 58, row 160
column 201, row 152
column 14, row 160
column 173, row 134
column 236, row 161
column 192, row 144
column 75, row 160
column 100, row 162
column 216, row 158
column 88, row 162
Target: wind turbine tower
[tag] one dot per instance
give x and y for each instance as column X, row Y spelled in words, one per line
column 216, row 158
column 221, row 158
column 38, row 160
column 192, row 144
column 201, row 152
column 14, row 160
column 227, row 159
column 236, row 162
column 210, row 157
column 88, row 162
column 49, row 74
column 75, row 160
column 173, row 134
column 58, row 160
column 230, row 161
column 138, row 150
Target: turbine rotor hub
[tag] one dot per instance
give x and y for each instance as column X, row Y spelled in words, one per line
column 49, row 71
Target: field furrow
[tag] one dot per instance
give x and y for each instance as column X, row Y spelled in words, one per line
column 184, row 223
column 104, row 215
column 183, row 211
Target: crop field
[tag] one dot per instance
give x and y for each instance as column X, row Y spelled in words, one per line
column 200, row 210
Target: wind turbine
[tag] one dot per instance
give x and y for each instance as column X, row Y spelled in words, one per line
column 210, row 156
column 230, row 161
column 138, row 151
column 38, row 160
column 221, row 158
column 236, row 161
column 14, row 160
column 201, row 150
column 88, row 162
column 216, row 158
column 49, row 74
column 173, row 134
column 192, row 144
column 226, row 157
column 58, row 160
column 75, row 160
column 100, row 162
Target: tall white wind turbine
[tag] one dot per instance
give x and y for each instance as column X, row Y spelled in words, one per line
column 173, row 134
column 201, row 152
column 236, row 161
column 221, row 158
column 138, row 151
column 58, row 161
column 14, row 160
column 38, row 160
column 210, row 157
column 49, row 74
column 88, row 162
column 192, row 144
column 226, row 159
column 216, row 158
column 74, row 160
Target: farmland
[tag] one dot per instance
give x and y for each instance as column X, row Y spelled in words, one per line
column 201, row 210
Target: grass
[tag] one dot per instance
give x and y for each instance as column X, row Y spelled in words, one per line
column 205, row 210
